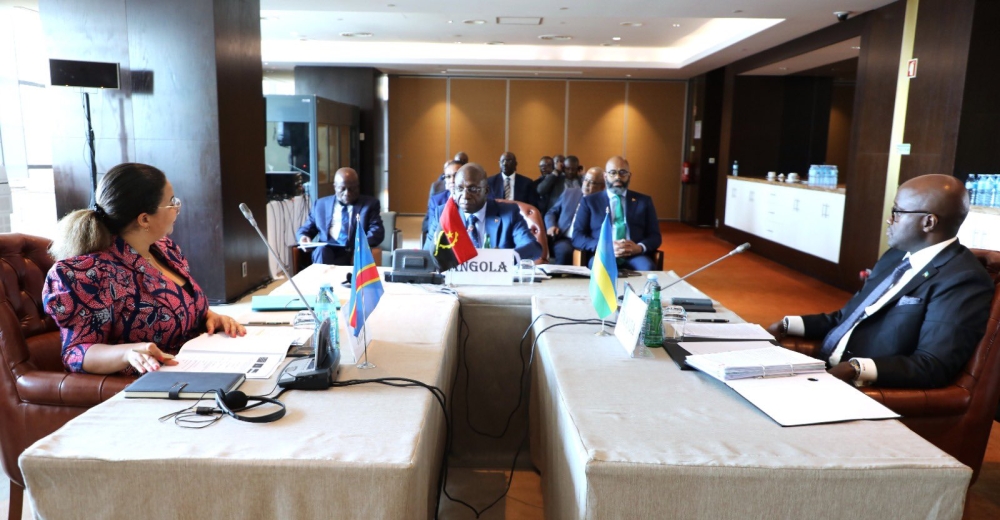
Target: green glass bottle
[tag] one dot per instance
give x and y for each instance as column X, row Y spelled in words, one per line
column 652, row 329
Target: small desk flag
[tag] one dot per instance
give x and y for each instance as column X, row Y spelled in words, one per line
column 604, row 273
column 366, row 286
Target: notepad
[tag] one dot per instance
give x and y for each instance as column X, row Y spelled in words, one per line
column 182, row 385
column 759, row 362
column 741, row 331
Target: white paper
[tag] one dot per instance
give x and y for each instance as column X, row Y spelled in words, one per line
column 628, row 328
column 810, row 399
column 258, row 340
column 726, row 331
column 267, row 318
column 711, row 347
column 311, row 245
column 254, row 366
column 758, row 362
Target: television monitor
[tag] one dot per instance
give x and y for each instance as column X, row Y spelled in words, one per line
column 88, row 74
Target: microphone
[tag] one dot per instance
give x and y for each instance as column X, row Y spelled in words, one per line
column 249, row 216
column 741, row 248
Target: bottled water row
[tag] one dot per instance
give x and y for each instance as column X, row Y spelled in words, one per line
column 984, row 189
column 823, row 175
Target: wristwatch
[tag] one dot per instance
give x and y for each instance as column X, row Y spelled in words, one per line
column 856, row 365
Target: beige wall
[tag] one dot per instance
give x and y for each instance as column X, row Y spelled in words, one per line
column 430, row 119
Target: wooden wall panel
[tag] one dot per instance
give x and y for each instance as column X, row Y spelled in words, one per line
column 596, row 128
column 654, row 137
column 478, row 119
column 537, row 121
column 838, row 139
column 417, row 148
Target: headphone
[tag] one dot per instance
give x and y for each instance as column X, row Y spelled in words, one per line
column 228, row 403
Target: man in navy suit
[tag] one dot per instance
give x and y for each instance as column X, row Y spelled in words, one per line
column 636, row 229
column 510, row 185
column 551, row 187
column 491, row 224
column 439, row 198
column 922, row 311
column 560, row 219
column 333, row 220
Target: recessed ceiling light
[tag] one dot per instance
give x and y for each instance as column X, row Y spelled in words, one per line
column 677, row 25
column 564, row 8
column 444, row 72
column 855, row 47
column 494, row 43
column 392, row 5
column 738, row 11
column 559, row 37
column 610, row 44
column 782, row 68
column 356, row 35
column 475, row 22
column 458, row 42
column 631, row 24
column 449, row 21
column 616, row 38
column 628, row 75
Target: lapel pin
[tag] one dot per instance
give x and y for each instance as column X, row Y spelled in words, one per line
column 926, row 274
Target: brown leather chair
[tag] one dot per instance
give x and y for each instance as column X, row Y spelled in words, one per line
column 582, row 258
column 536, row 224
column 39, row 396
column 958, row 417
column 299, row 259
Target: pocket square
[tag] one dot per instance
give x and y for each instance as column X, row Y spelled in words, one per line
column 909, row 300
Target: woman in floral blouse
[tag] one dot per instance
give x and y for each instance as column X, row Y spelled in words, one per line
column 122, row 292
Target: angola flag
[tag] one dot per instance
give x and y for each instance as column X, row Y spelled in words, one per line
column 366, row 286
column 604, row 274
column 452, row 245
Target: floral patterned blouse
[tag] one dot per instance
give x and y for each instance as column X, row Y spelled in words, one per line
column 116, row 296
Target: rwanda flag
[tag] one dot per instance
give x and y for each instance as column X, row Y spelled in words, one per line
column 366, row 287
column 604, row 273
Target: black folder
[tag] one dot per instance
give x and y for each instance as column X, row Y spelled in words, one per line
column 183, row 385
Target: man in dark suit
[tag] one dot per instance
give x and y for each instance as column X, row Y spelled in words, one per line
column 922, row 311
column 439, row 185
column 551, row 187
column 510, row 185
column 440, row 197
column 491, row 224
column 560, row 219
column 636, row 229
column 333, row 220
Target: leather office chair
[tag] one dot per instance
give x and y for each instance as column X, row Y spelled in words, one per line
column 536, row 224
column 38, row 395
column 957, row 418
column 393, row 238
column 582, row 258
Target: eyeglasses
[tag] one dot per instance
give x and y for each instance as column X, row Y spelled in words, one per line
column 621, row 174
column 472, row 190
column 175, row 203
column 897, row 212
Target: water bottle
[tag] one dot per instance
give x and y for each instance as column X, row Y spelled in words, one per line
column 811, row 176
column 982, row 190
column 736, row 169
column 970, row 186
column 327, row 305
column 993, row 198
column 834, row 173
column 652, row 329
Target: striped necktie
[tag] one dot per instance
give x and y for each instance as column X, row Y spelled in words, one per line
column 508, row 187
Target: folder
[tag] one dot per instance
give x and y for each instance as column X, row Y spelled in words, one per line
column 280, row 303
column 183, row 385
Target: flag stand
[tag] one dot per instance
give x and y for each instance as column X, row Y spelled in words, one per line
column 365, row 365
column 603, row 331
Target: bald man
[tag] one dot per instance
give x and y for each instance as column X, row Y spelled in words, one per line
column 636, row 228
column 923, row 309
column 333, row 220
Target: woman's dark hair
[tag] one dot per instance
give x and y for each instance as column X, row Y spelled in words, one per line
column 125, row 192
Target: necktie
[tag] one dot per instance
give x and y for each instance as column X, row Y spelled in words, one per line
column 508, row 187
column 345, row 223
column 474, row 231
column 838, row 332
column 619, row 223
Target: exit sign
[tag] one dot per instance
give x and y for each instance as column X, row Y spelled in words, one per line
column 911, row 68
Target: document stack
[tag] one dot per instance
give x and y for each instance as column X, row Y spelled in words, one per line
column 761, row 362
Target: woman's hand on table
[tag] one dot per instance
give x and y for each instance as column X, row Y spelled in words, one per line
column 147, row 357
column 215, row 322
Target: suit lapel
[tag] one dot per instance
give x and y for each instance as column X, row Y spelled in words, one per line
column 493, row 223
column 927, row 273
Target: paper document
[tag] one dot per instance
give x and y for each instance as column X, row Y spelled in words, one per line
column 258, row 354
column 572, row 270
column 726, row 331
column 711, row 347
column 810, row 399
column 270, row 318
column 311, row 245
column 759, row 362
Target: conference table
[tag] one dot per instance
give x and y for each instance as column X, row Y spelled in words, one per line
column 613, row 436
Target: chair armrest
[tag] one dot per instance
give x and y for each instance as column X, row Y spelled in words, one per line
column 68, row 389
column 908, row 402
column 808, row 347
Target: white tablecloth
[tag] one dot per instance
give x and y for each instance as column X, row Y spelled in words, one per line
column 639, row 438
column 368, row 451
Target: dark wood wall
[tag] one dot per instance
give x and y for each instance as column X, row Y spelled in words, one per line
column 201, row 121
column 878, row 62
column 356, row 86
column 702, row 154
column 978, row 148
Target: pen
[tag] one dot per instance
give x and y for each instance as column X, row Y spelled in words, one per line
column 712, row 320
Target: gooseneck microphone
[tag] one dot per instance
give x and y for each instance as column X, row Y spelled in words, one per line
column 743, row 247
column 249, row 216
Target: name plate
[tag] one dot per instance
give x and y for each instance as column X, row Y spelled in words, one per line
column 489, row 267
column 628, row 328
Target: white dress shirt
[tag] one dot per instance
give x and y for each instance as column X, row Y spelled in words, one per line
column 336, row 224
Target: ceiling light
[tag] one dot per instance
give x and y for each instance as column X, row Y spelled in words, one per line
column 677, row 25
column 494, row 43
column 782, row 68
column 356, row 35
column 856, row 48
column 616, row 38
column 628, row 75
column 392, row 5
column 631, row 24
column 449, row 21
column 458, row 42
column 564, row 8
column 519, row 20
column 475, row 22
column 738, row 11
column 559, row 37
column 610, row 44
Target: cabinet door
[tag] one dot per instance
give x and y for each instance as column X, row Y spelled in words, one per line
column 773, row 211
column 831, row 225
